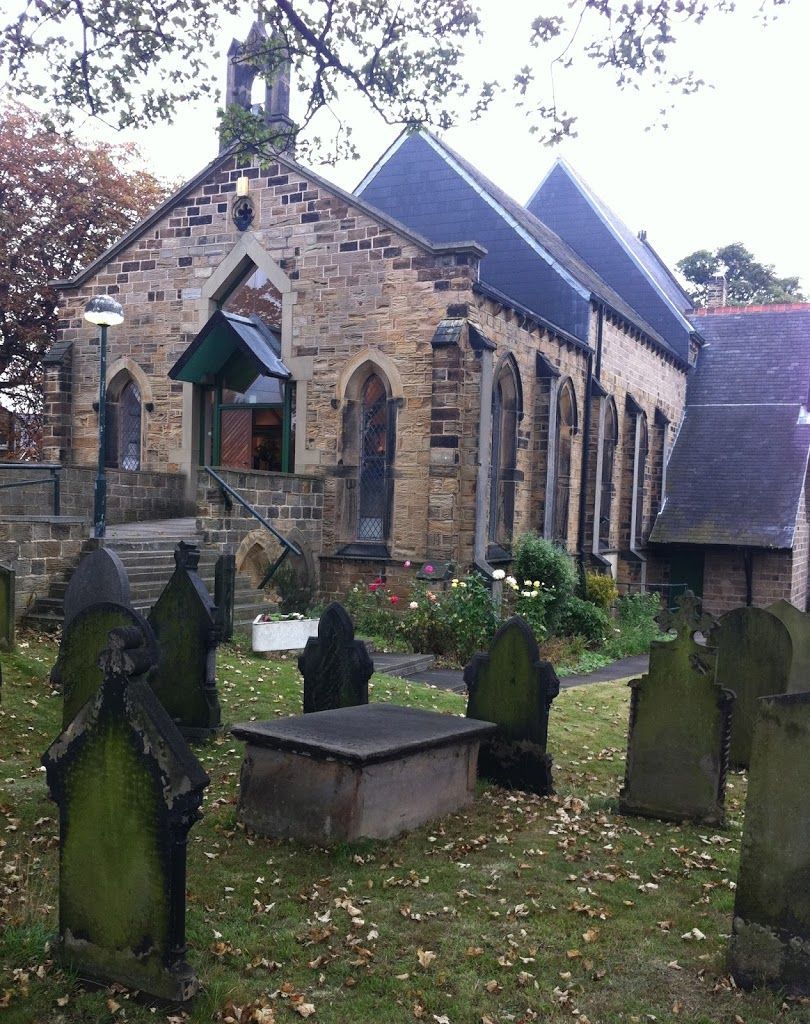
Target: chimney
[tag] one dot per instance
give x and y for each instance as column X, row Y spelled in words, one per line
column 716, row 296
column 242, row 73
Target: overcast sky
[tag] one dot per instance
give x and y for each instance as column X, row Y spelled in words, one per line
column 731, row 166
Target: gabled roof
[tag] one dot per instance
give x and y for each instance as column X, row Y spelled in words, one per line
column 424, row 183
column 739, row 464
column 626, row 262
column 216, row 165
column 234, row 348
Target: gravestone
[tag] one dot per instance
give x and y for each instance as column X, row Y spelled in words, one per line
column 100, row 577
column 512, row 687
column 128, row 790
column 797, row 624
column 754, row 656
column 185, row 626
column 7, row 584
column 224, row 594
column 680, row 727
column 336, row 667
column 77, row 672
column 770, row 941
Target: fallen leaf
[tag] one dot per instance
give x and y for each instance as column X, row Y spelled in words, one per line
column 304, row 1009
column 426, row 957
column 493, row 987
column 591, row 935
column 695, row 934
column 572, row 954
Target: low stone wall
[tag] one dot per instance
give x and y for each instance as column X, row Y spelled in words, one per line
column 40, row 549
column 293, row 503
column 131, row 496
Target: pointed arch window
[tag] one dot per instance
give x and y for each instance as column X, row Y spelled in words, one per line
column 505, row 415
column 123, row 423
column 610, row 439
column 376, row 455
column 566, row 428
column 642, row 450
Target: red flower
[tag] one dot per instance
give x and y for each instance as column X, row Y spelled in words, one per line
column 429, row 568
column 393, row 599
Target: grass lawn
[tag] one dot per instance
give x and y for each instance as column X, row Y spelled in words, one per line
column 518, row 909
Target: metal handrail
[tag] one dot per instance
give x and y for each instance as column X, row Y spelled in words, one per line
column 53, row 468
column 287, row 545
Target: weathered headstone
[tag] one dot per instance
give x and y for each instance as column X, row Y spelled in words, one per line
column 336, row 667
column 754, row 656
column 770, row 942
column 100, row 577
column 679, row 731
column 512, row 687
column 184, row 622
column 7, row 577
column 128, row 790
column 77, row 672
column 224, row 594
column 797, row 624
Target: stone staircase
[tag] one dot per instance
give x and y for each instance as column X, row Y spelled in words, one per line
column 147, row 551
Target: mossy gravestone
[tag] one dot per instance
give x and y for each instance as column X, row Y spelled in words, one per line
column 512, row 687
column 754, row 657
column 797, row 624
column 7, row 577
column 128, row 790
column 224, row 594
column 680, row 721
column 185, row 625
column 100, row 577
column 770, row 942
column 77, row 672
column 336, row 667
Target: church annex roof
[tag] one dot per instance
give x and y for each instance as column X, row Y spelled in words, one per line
column 738, row 468
column 628, row 263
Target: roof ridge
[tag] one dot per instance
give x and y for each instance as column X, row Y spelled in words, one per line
column 775, row 307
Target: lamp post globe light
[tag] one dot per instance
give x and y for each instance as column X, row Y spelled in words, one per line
column 105, row 312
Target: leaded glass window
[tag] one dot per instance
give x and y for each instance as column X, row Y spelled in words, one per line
column 375, row 449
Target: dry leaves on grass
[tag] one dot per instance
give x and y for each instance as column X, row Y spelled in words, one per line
column 426, row 957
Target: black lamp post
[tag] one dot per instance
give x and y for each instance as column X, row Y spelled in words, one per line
column 104, row 311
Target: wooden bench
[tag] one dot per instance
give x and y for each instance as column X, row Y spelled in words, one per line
column 374, row 770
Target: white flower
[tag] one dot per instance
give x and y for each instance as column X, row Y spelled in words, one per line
column 527, row 583
column 462, row 583
column 511, row 581
column 533, row 593
column 413, row 605
column 525, row 593
column 537, row 584
column 498, row 574
column 454, row 583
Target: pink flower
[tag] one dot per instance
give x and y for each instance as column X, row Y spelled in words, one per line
column 408, row 563
column 393, row 599
column 431, row 596
column 429, row 568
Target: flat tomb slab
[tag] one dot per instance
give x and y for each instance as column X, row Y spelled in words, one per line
column 373, row 770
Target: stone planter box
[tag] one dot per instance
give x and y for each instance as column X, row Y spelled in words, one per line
column 287, row 635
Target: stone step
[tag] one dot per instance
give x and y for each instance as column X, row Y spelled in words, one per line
column 402, row 665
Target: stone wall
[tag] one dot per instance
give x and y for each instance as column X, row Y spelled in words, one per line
column 293, row 504
column 40, row 549
column 131, row 496
column 724, row 579
column 801, row 553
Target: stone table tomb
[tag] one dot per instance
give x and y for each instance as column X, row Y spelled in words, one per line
column 372, row 770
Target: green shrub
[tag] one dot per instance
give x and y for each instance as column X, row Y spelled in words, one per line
column 635, row 625
column 372, row 611
column 538, row 561
column 454, row 623
column 600, row 590
column 583, row 618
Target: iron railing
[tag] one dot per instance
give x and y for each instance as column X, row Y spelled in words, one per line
column 53, row 469
column 229, row 495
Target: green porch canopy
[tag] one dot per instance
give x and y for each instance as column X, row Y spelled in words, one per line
column 231, row 351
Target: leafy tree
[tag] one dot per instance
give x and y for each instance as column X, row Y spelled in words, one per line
column 133, row 63
column 62, row 204
column 748, row 282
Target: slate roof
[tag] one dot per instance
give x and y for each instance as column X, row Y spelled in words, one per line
column 736, row 473
column 627, row 263
column 423, row 183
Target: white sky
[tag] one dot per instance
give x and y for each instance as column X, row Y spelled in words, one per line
column 732, row 165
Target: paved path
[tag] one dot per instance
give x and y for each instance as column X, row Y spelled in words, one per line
column 451, row 679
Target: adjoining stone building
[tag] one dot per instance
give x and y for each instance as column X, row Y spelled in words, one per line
column 418, row 371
